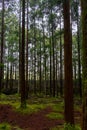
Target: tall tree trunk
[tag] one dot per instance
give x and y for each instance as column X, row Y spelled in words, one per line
column 84, row 62
column 34, row 56
column 40, row 76
column 50, row 66
column 11, row 76
column 27, row 56
column 44, row 57
column 56, row 70
column 61, row 73
column 79, row 62
column 2, row 48
column 15, row 73
column 20, row 40
column 22, row 60
column 53, row 49
column 7, row 75
column 68, row 83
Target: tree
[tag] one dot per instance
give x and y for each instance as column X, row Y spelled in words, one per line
column 84, row 62
column 22, row 60
column 27, row 54
column 68, row 83
column 61, row 66
column 79, row 52
column 2, row 48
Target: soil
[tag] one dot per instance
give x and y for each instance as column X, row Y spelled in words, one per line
column 34, row 121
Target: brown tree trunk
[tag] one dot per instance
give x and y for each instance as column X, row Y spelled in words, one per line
column 53, row 51
column 22, row 60
column 27, row 90
column 79, row 53
column 68, row 83
column 50, row 65
column 44, row 57
column 1, row 49
column 19, row 89
column 61, row 67
column 11, row 76
column 7, row 75
column 84, row 62
column 35, row 85
column 40, row 76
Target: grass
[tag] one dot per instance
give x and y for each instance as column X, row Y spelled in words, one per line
column 66, row 127
column 35, row 104
column 5, row 126
column 54, row 115
column 30, row 108
column 57, row 107
column 71, row 127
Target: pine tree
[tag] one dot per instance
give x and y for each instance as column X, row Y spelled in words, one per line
column 68, row 82
column 84, row 64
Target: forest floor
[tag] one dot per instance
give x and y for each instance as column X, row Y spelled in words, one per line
column 41, row 114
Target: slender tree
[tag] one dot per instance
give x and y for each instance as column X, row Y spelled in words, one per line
column 79, row 52
column 27, row 54
column 61, row 65
column 19, row 45
column 84, row 60
column 2, row 48
column 68, row 83
column 22, row 60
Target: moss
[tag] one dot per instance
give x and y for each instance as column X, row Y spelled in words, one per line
column 30, row 108
column 57, row 107
column 71, row 127
column 5, row 126
column 54, row 115
column 3, row 97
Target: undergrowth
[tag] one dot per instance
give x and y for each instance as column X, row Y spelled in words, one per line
column 71, row 127
column 54, row 115
column 5, row 126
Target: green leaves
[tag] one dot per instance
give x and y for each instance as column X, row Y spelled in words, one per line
column 1, row 65
column 71, row 127
column 11, row 59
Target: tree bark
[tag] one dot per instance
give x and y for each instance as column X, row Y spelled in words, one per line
column 68, row 83
column 84, row 63
column 2, row 49
column 22, row 60
column 27, row 88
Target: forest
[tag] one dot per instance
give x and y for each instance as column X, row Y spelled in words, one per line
column 43, row 65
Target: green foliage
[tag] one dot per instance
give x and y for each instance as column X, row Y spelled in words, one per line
column 58, row 107
column 5, row 126
column 1, row 65
column 71, row 127
column 3, row 97
column 30, row 108
column 55, row 115
column 57, row 128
